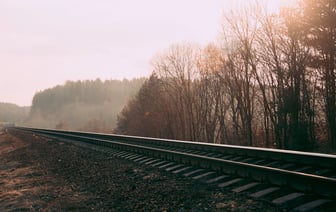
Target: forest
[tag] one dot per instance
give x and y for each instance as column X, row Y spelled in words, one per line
column 89, row 105
column 11, row 113
column 268, row 82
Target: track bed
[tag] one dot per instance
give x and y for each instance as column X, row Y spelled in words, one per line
column 37, row 173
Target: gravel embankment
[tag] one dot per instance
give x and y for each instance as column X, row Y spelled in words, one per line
column 37, row 174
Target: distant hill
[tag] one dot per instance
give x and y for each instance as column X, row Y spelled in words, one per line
column 13, row 113
column 90, row 105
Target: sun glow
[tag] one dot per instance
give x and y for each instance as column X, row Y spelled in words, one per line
column 272, row 6
column 276, row 5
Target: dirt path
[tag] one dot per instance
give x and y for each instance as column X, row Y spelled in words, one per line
column 25, row 184
column 40, row 174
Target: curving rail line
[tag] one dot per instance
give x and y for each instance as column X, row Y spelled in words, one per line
column 311, row 173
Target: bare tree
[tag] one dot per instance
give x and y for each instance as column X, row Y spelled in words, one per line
column 177, row 69
column 212, row 102
column 241, row 31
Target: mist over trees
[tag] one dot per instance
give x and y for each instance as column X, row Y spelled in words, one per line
column 269, row 81
column 90, row 105
column 12, row 113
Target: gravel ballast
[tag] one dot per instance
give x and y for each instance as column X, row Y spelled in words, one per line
column 38, row 173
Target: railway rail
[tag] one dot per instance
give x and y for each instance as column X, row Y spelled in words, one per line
column 302, row 181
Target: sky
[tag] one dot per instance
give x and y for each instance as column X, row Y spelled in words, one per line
column 44, row 43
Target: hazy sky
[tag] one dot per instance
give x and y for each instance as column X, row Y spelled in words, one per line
column 46, row 42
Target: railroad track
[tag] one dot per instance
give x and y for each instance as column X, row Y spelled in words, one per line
column 296, row 180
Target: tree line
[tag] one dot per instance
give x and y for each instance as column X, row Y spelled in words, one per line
column 90, row 105
column 269, row 81
column 12, row 113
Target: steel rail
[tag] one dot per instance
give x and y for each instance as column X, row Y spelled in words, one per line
column 322, row 160
column 324, row 186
